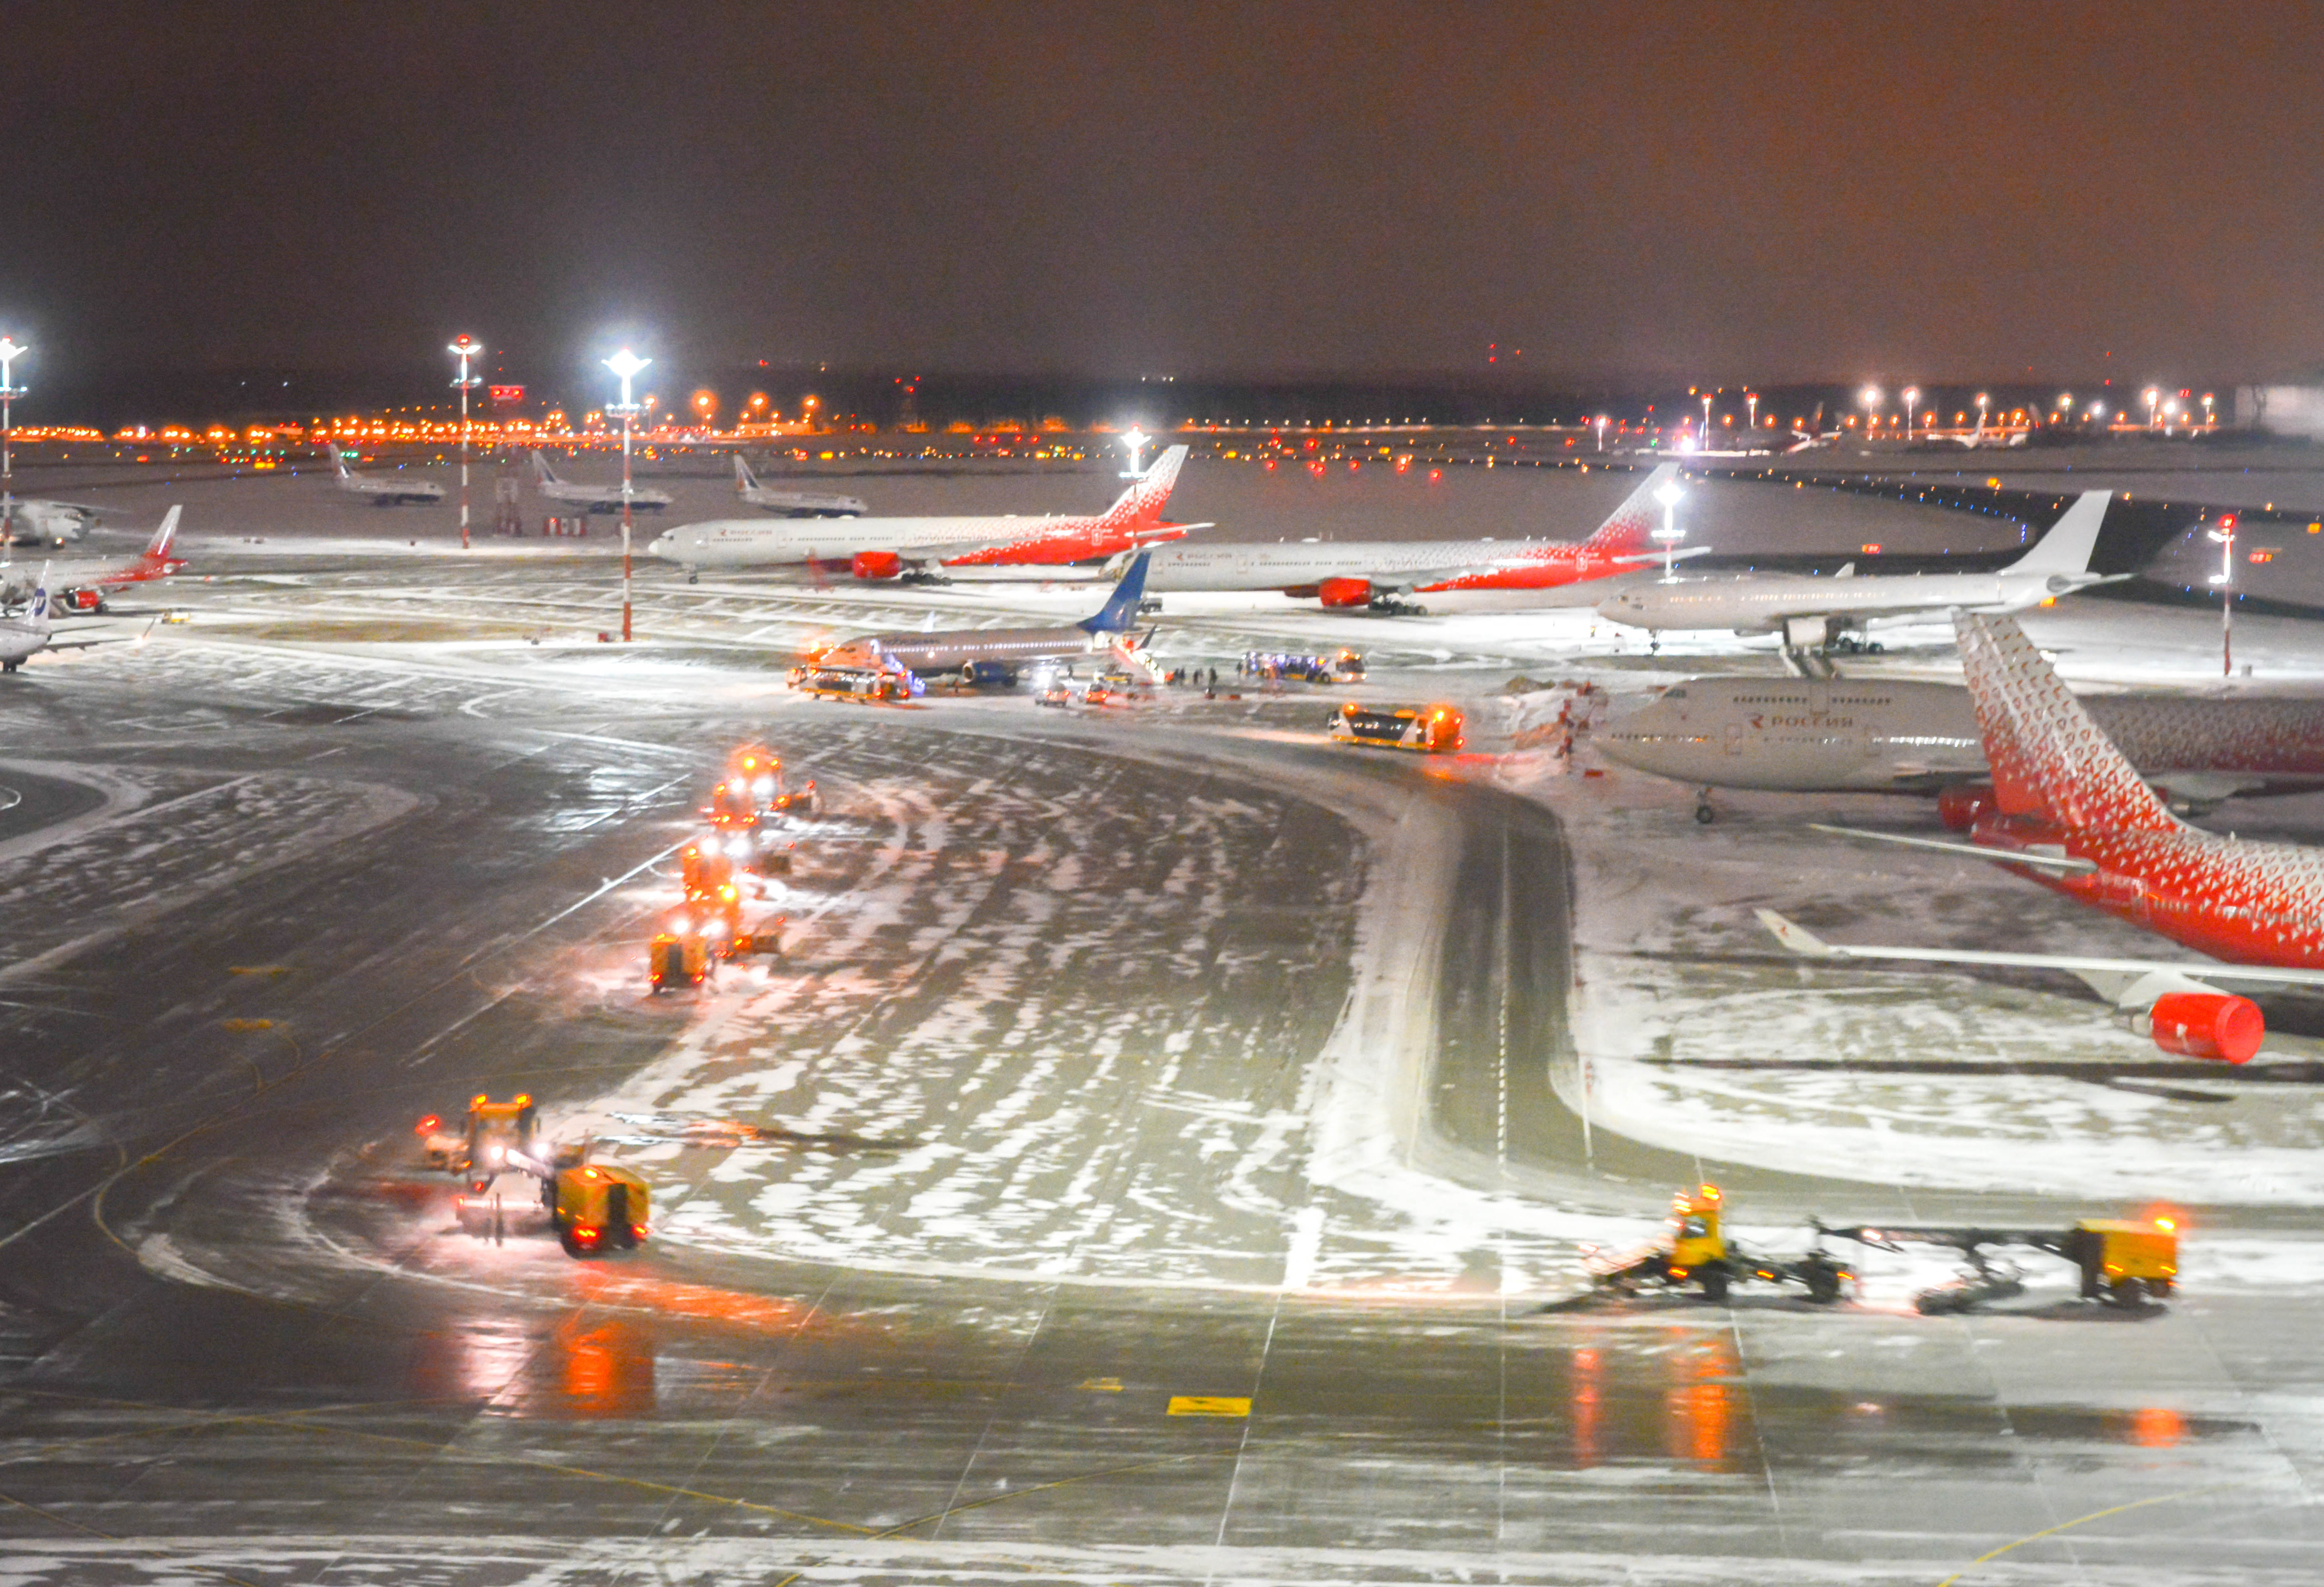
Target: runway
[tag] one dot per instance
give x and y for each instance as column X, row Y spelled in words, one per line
column 1176, row 1129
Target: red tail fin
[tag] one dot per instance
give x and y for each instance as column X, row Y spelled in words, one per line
column 2049, row 759
column 1143, row 502
column 1628, row 528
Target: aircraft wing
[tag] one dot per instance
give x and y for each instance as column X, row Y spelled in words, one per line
column 1799, row 940
column 2061, row 862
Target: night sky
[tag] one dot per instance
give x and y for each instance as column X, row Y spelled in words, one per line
column 1704, row 191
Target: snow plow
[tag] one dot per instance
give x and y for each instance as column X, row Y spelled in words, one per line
column 2123, row 1262
column 1692, row 1251
column 595, row 1208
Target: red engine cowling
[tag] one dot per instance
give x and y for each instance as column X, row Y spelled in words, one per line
column 877, row 565
column 2208, row 1025
column 82, row 600
column 1958, row 806
column 1344, row 592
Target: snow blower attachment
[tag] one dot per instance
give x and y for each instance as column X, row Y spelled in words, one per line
column 2122, row 1262
column 1693, row 1251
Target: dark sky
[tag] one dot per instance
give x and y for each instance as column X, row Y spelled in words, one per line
column 1728, row 192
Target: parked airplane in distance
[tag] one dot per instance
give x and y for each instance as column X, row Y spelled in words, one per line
column 380, row 490
column 995, row 654
column 592, row 498
column 32, row 522
column 1384, row 575
column 925, row 548
column 26, row 634
column 2070, row 812
column 793, row 504
column 1883, row 735
column 1811, row 612
column 83, row 584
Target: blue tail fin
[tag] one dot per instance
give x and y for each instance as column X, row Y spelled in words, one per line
column 1120, row 613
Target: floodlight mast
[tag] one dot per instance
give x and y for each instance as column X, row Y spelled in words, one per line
column 1670, row 533
column 626, row 366
column 2226, row 579
column 1136, row 441
column 11, row 349
column 466, row 349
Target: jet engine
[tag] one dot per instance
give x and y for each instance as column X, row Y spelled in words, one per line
column 877, row 565
column 2214, row 1025
column 1959, row 803
column 1344, row 592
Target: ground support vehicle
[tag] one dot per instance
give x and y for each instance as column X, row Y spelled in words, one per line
column 869, row 686
column 1346, row 666
column 1692, row 1251
column 2121, row 1261
column 676, row 959
column 755, row 785
column 597, row 1207
column 1430, row 729
column 701, row 933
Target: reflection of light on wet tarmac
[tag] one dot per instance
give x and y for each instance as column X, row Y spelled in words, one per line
column 608, row 1369
column 1696, row 1411
column 2153, row 1428
column 1582, row 1391
column 700, row 1302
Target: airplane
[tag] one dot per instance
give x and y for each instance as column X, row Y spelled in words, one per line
column 793, row 504
column 1881, row 735
column 381, row 491
column 2070, row 811
column 1382, row 574
column 32, row 521
column 26, row 634
column 1812, row 613
column 925, row 548
column 591, row 498
column 982, row 654
column 83, row 586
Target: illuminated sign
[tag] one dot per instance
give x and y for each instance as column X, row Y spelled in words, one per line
column 507, row 396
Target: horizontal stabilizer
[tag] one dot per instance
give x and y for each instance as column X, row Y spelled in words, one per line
column 2060, row 862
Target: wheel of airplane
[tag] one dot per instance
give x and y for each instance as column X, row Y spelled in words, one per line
column 1705, row 815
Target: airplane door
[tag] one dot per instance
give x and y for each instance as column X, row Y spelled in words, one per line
column 1735, row 738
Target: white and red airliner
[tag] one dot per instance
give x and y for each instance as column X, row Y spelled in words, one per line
column 891, row 548
column 2069, row 811
column 82, row 584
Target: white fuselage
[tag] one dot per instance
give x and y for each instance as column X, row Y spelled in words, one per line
column 1871, row 735
column 927, row 653
column 35, row 523
column 803, row 503
column 1763, row 606
column 1302, row 564
column 601, row 498
column 391, row 491
column 772, row 542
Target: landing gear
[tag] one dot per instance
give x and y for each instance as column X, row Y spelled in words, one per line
column 1703, row 814
column 1391, row 606
column 693, row 575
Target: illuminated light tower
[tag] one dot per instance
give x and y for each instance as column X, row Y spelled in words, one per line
column 2209, row 422
column 1136, row 441
column 1911, row 395
column 1669, row 535
column 1705, row 445
column 2170, row 414
column 11, row 349
column 626, row 366
column 465, row 349
column 2154, row 406
column 1982, row 399
column 2226, row 579
column 1601, row 433
column 1753, row 399
column 1871, row 403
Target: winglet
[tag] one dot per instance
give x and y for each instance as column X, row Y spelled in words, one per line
column 2065, row 547
column 541, row 470
column 338, row 458
column 745, row 480
column 1796, row 937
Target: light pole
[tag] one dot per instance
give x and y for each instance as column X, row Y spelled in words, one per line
column 2153, row 400
column 1911, row 395
column 11, row 349
column 2226, row 579
column 466, row 349
column 1136, row 441
column 1601, row 433
column 1981, row 400
column 1670, row 533
column 1753, row 399
column 1705, row 445
column 1871, row 403
column 2209, row 422
column 626, row 366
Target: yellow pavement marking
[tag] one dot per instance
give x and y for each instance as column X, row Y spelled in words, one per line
column 1101, row 1385
column 2096, row 1514
column 258, row 969
column 1208, row 1405
column 247, row 1024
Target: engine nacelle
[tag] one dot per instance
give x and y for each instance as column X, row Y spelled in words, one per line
column 1340, row 593
column 877, row 565
column 2207, row 1025
column 81, row 600
column 1960, row 804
